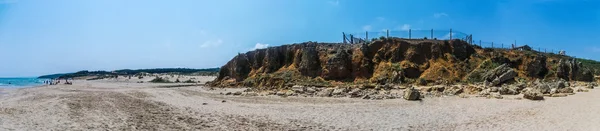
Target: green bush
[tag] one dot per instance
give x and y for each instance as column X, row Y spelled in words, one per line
column 189, row 81
column 396, row 67
column 421, row 82
column 160, row 80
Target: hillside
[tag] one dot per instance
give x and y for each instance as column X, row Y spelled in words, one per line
column 208, row 71
column 394, row 61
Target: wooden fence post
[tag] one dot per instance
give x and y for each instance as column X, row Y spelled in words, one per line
column 409, row 33
column 450, row 33
column 366, row 36
column 387, row 34
column 431, row 33
column 344, row 37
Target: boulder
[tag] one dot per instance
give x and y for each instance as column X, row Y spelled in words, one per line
column 494, row 89
column 496, row 95
column 542, row 88
column 356, row 92
column 484, row 93
column 508, row 90
column 376, row 97
column 325, row 92
column 454, row 90
column 553, row 91
column 250, row 94
column 412, row 94
column 339, row 91
column 564, row 90
column 472, row 90
column 270, row 93
column 582, row 90
column 366, row 97
column 499, row 75
column 558, row 95
column 311, row 90
column 533, row 95
column 438, row 88
column 290, row 93
column 560, row 84
column 237, row 93
column 298, row 89
column 590, row 86
column 281, row 93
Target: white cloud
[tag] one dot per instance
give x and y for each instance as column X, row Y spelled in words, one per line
column 367, row 28
column 260, row 46
column 211, row 43
column 404, row 27
column 440, row 15
column 334, row 3
column 8, row 1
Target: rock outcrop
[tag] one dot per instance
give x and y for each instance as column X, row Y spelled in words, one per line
column 412, row 94
column 392, row 61
column 570, row 69
column 499, row 75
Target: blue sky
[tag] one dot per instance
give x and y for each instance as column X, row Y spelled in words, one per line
column 52, row 36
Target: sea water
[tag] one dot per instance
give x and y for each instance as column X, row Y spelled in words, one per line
column 20, row 82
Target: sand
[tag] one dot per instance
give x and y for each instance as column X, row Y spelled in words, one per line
column 120, row 105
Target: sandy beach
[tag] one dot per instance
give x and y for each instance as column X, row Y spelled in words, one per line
column 127, row 105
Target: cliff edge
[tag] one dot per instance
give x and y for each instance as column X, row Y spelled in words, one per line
column 394, row 61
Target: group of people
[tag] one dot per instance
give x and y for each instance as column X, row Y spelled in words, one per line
column 56, row 82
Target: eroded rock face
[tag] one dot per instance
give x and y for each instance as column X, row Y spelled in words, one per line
column 570, row 69
column 536, row 67
column 308, row 60
column 395, row 61
column 339, row 66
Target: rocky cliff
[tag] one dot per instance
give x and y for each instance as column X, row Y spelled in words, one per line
column 392, row 61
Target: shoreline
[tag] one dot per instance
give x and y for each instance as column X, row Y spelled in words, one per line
column 126, row 105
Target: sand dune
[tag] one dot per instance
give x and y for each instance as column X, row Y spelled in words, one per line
column 110, row 105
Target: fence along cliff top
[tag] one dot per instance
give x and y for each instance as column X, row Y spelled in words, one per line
column 353, row 38
column 363, row 37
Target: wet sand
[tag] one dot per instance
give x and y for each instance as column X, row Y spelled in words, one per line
column 123, row 105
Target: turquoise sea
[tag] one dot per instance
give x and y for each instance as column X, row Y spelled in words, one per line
column 20, row 82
